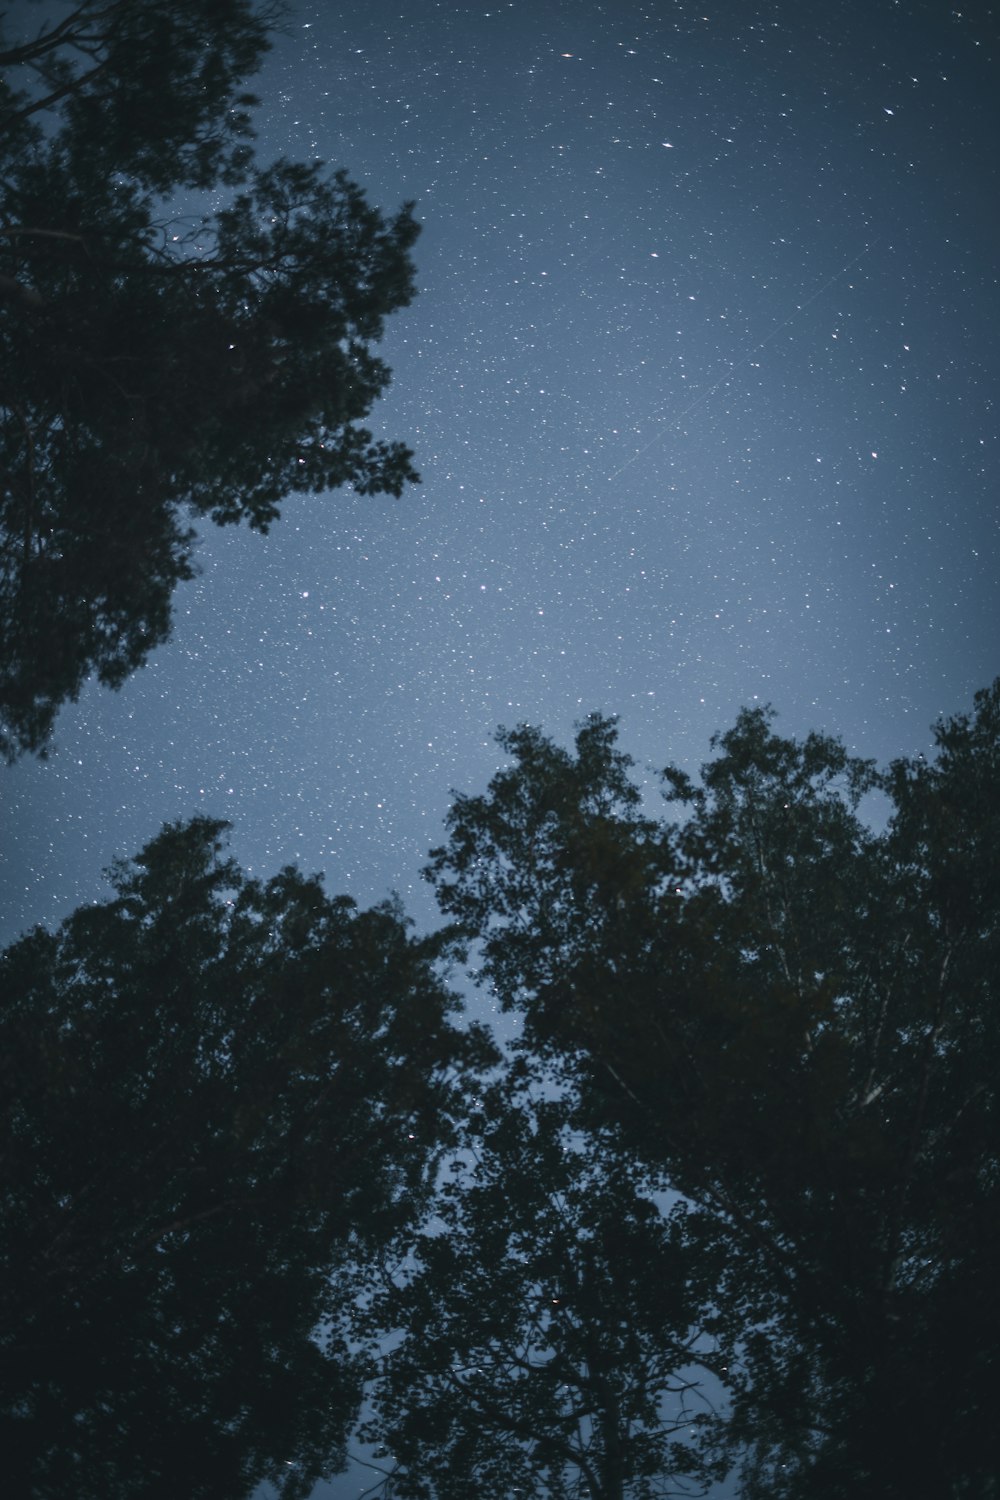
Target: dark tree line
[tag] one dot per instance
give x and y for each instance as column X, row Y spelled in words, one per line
column 733, row 1197
column 160, row 363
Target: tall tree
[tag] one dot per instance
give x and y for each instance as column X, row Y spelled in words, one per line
column 161, row 362
column 554, row 1320
column 795, row 1018
column 216, row 1095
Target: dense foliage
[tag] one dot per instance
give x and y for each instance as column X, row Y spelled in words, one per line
column 794, row 1019
column 732, row 1196
column 162, row 360
column 559, row 1333
column 216, row 1095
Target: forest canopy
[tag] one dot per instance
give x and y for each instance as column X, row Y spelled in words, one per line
column 163, row 362
column 731, row 1198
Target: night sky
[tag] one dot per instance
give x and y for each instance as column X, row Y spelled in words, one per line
column 701, row 381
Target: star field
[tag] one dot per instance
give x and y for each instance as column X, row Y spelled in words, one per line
column 702, row 386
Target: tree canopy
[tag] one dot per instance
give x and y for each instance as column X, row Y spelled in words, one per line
column 164, row 362
column 794, row 1018
column 558, row 1332
column 216, row 1093
column 748, row 1134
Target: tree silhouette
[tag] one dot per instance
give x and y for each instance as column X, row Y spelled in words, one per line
column 795, row 1019
column 225, row 1101
column 557, row 1324
column 162, row 363
column 217, row 1094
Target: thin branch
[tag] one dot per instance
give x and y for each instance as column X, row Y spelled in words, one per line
column 504, row 1422
column 47, row 41
column 16, row 230
column 73, row 86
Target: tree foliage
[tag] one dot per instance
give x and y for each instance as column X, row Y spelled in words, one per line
column 556, row 1323
column 217, row 1093
column 751, row 1125
column 163, row 363
column 795, row 1019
